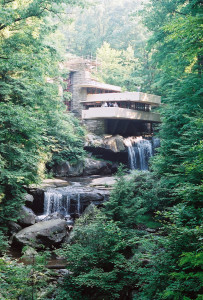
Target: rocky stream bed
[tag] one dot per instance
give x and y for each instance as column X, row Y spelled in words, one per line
column 51, row 208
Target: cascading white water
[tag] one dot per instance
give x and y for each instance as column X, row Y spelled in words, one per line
column 68, row 204
column 139, row 152
column 56, row 202
column 71, row 201
column 78, row 204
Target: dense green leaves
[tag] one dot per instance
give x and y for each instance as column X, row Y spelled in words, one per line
column 117, row 66
column 96, row 259
column 34, row 127
column 145, row 244
column 114, row 33
column 26, row 280
column 105, row 21
column 134, row 199
column 166, row 262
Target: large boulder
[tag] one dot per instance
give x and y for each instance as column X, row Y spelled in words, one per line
column 103, row 182
column 115, row 144
column 53, row 216
column 93, row 196
column 88, row 167
column 111, row 143
column 27, row 217
column 48, row 233
column 108, row 147
column 69, row 170
column 47, row 184
column 97, row 167
column 13, row 227
column 29, row 199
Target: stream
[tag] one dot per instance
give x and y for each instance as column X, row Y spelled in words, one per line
column 70, row 198
column 67, row 198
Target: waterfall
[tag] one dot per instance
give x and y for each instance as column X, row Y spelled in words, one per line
column 139, row 152
column 52, row 202
column 68, row 204
column 71, row 201
column 78, row 204
column 56, row 202
column 65, row 201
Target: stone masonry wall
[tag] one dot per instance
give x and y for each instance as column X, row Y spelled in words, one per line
column 78, row 94
column 97, row 127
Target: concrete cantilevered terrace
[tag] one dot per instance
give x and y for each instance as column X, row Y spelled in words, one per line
column 95, row 113
column 138, row 97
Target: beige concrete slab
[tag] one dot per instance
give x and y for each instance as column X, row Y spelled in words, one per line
column 99, row 85
column 95, row 113
column 126, row 96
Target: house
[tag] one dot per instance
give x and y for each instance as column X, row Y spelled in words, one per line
column 104, row 108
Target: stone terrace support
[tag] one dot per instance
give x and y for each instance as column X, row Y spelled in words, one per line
column 97, row 127
column 78, row 93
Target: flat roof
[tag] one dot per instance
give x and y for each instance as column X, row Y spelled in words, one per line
column 100, row 85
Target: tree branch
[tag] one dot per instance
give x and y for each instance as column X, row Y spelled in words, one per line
column 180, row 13
column 2, row 26
column 8, row 1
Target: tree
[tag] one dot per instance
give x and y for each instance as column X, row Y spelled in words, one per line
column 178, row 164
column 96, row 260
column 27, row 281
column 117, row 66
column 33, row 123
column 113, row 32
column 135, row 199
column 105, row 21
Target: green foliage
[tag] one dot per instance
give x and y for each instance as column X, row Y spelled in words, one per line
column 24, row 280
column 117, row 66
column 167, row 264
column 166, row 276
column 178, row 165
column 134, row 199
column 3, row 243
column 189, row 279
column 105, row 21
column 34, row 128
column 112, row 31
column 96, row 261
column 128, row 68
column 66, row 138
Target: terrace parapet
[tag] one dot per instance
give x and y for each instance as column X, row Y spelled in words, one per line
column 96, row 113
column 153, row 100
